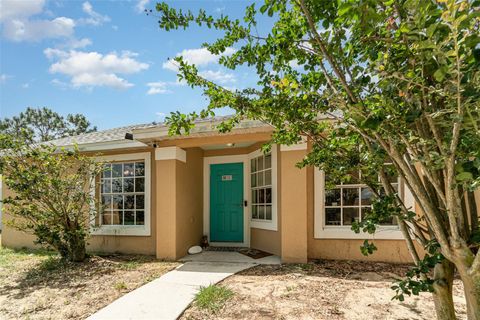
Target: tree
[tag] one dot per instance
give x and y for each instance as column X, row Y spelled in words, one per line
column 51, row 194
column 398, row 81
column 43, row 124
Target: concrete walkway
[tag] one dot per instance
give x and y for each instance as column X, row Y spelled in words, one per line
column 168, row 296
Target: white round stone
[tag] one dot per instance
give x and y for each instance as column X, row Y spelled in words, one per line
column 195, row 250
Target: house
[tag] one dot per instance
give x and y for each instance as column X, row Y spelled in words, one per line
column 163, row 193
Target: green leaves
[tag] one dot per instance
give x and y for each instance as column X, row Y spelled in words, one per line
column 418, row 278
column 368, row 83
column 52, row 194
column 440, row 74
column 368, row 248
column 43, row 124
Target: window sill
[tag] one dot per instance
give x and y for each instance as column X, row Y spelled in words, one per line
column 386, row 233
column 262, row 224
column 120, row 231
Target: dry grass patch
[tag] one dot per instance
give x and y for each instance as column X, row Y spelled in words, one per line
column 330, row 290
column 38, row 285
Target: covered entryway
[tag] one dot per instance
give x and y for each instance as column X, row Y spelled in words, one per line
column 225, row 213
column 226, row 202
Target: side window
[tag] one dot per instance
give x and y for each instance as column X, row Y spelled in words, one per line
column 347, row 203
column 261, row 187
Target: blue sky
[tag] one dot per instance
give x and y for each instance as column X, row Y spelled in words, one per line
column 104, row 59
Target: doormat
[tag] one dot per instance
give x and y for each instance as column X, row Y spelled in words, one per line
column 254, row 253
column 224, row 249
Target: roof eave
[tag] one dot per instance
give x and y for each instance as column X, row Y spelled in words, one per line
column 107, row 145
column 200, row 130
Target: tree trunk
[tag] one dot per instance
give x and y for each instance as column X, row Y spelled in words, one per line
column 78, row 253
column 471, row 287
column 77, row 249
column 443, row 295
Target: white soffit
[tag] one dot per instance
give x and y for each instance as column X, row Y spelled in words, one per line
column 226, row 146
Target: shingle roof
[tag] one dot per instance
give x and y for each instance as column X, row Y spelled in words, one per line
column 118, row 134
column 109, row 135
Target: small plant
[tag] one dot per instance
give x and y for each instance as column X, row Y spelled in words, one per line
column 52, row 263
column 213, row 297
column 120, row 286
column 129, row 265
column 306, row 267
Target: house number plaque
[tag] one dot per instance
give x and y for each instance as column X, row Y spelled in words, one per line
column 227, row 177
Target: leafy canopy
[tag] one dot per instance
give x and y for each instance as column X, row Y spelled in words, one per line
column 49, row 194
column 368, row 83
column 43, row 124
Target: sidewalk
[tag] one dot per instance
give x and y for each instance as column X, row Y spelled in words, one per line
column 168, row 296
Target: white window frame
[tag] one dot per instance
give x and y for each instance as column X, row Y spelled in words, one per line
column 258, row 223
column 323, row 231
column 128, row 230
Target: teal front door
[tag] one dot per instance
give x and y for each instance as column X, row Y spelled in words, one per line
column 226, row 202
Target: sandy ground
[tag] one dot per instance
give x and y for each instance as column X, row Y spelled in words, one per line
column 40, row 286
column 322, row 290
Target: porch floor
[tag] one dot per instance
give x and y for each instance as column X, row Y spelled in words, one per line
column 228, row 257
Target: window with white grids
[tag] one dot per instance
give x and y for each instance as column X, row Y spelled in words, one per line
column 350, row 202
column 122, row 194
column 261, row 187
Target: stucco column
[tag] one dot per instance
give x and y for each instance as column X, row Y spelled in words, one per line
column 293, row 195
column 165, row 198
column 166, row 160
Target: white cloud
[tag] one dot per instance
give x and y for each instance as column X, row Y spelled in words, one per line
column 3, row 78
column 60, row 84
column 15, row 16
column 218, row 76
column 162, row 87
column 20, row 24
column 159, row 87
column 95, row 18
column 78, row 43
column 170, row 65
column 37, row 30
column 141, row 5
column 199, row 57
column 51, row 53
column 91, row 69
column 14, row 9
column 219, row 9
column 26, row 85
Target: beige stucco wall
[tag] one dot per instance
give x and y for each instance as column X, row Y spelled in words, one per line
column 348, row 249
column 189, row 188
column 180, row 204
column 166, row 207
column 293, row 193
column 177, row 211
column 97, row 243
column 268, row 240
